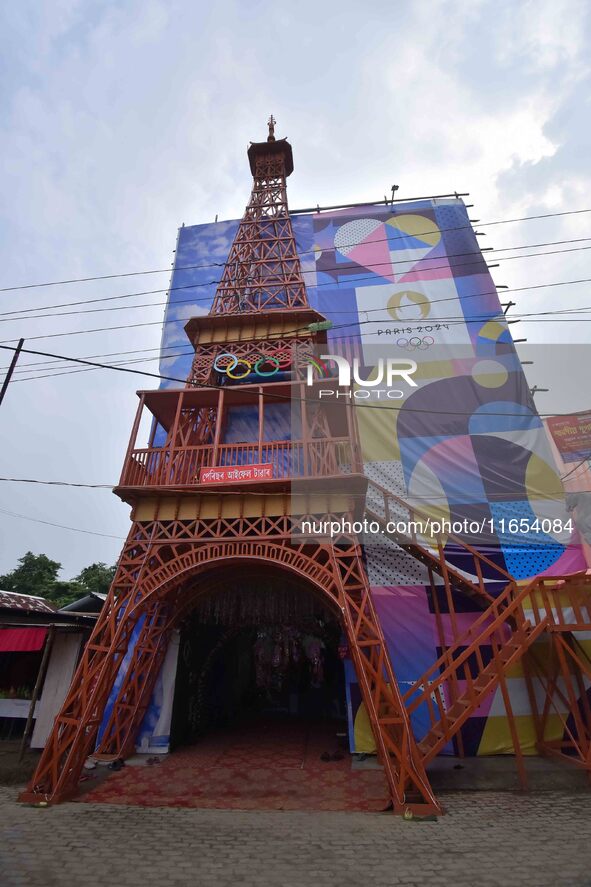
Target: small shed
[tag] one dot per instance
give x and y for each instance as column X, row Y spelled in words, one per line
column 40, row 646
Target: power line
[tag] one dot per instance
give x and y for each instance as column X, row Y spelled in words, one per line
column 532, row 317
column 425, row 325
column 458, row 320
column 502, row 497
column 169, row 289
column 490, row 315
column 342, row 266
column 529, row 317
column 368, row 311
column 60, row 371
column 270, row 395
column 222, row 264
column 163, row 355
column 54, row 372
column 61, row 526
column 96, row 356
column 572, row 471
column 24, row 313
column 55, row 483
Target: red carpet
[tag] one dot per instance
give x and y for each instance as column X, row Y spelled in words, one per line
column 273, row 766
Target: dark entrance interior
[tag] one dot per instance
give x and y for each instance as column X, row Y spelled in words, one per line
column 259, row 713
column 257, row 654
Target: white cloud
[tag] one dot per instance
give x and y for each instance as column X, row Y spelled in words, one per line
column 541, row 34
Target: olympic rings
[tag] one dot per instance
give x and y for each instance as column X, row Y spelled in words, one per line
column 262, row 361
column 416, row 343
column 230, row 368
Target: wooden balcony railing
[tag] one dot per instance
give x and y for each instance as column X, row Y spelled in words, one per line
column 181, row 466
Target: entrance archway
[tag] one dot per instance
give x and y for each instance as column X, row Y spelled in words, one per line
column 151, row 588
column 173, row 588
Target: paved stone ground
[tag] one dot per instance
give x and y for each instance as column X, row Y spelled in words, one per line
column 487, row 838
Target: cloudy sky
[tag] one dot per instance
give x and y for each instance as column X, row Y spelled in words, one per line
column 120, row 121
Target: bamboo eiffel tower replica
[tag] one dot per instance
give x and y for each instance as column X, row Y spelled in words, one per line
column 205, row 508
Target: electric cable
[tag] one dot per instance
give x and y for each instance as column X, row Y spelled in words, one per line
column 61, row 526
column 502, row 497
column 96, row 356
column 59, row 371
column 301, row 329
column 535, row 317
column 404, row 326
column 198, row 385
column 55, row 483
column 222, row 264
column 480, row 258
column 572, row 471
column 520, row 316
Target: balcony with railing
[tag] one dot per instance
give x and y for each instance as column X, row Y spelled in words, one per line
column 255, row 435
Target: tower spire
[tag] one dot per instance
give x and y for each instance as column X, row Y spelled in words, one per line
column 271, row 124
column 263, row 269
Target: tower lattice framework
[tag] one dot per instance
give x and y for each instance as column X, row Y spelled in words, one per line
column 263, row 270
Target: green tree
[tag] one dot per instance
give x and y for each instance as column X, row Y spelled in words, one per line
column 63, row 592
column 38, row 575
column 35, row 574
column 96, row 578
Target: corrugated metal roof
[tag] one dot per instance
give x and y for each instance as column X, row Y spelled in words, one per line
column 91, row 602
column 10, row 600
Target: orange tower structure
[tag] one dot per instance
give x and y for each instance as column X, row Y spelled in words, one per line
column 202, row 507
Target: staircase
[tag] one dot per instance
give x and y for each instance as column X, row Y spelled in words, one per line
column 564, row 668
column 501, row 630
column 386, row 508
column 479, row 659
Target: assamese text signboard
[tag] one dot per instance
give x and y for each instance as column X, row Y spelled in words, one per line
column 572, row 436
column 235, row 473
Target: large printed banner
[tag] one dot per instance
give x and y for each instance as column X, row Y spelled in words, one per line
column 465, row 444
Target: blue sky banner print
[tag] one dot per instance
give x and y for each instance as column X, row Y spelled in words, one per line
column 467, row 442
